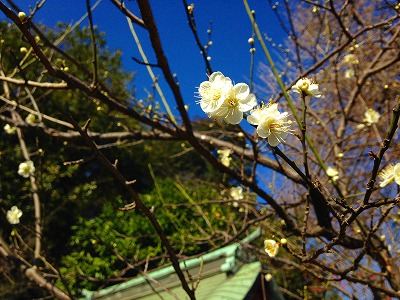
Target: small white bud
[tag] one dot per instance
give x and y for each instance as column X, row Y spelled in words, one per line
column 22, row 16
column 268, row 277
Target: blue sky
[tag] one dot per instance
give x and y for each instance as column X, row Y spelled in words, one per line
column 231, row 29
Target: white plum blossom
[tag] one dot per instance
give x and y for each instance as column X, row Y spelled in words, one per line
column 351, row 59
column 268, row 277
column 13, row 215
column 371, row 116
column 9, row 129
column 349, row 73
column 26, row 169
column 212, row 92
column 236, row 193
column 22, row 16
column 389, row 174
column 30, row 119
column 332, row 173
column 271, row 247
column 271, row 123
column 305, row 85
column 224, row 156
column 222, row 100
column 236, row 101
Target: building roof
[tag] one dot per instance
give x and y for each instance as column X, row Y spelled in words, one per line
column 227, row 273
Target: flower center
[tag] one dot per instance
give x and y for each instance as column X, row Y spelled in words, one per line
column 271, row 124
column 232, row 101
column 216, row 94
column 304, row 85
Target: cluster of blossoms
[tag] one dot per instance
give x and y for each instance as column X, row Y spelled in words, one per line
column 222, row 100
column 332, row 173
column 224, row 156
column 26, row 169
column 236, row 194
column 350, row 60
column 13, row 215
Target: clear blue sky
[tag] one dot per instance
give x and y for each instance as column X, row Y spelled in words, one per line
column 229, row 52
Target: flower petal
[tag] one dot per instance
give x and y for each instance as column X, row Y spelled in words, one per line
column 234, row 116
column 273, row 140
column 241, row 90
column 248, row 103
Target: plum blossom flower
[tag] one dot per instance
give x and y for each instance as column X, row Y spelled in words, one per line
column 236, row 193
column 26, row 169
column 13, row 215
column 332, row 173
column 370, row 117
column 9, row 129
column 212, row 92
column 271, row 247
column 349, row 73
column 22, row 16
column 222, row 100
column 305, row 85
column 271, row 123
column 224, row 156
column 351, row 59
column 30, row 119
column 236, row 101
column 389, row 174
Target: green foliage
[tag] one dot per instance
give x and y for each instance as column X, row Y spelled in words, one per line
column 103, row 243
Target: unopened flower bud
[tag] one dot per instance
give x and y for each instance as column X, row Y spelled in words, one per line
column 190, row 8
column 23, row 50
column 22, row 16
column 250, row 41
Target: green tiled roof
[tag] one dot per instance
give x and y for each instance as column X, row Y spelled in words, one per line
column 227, row 273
